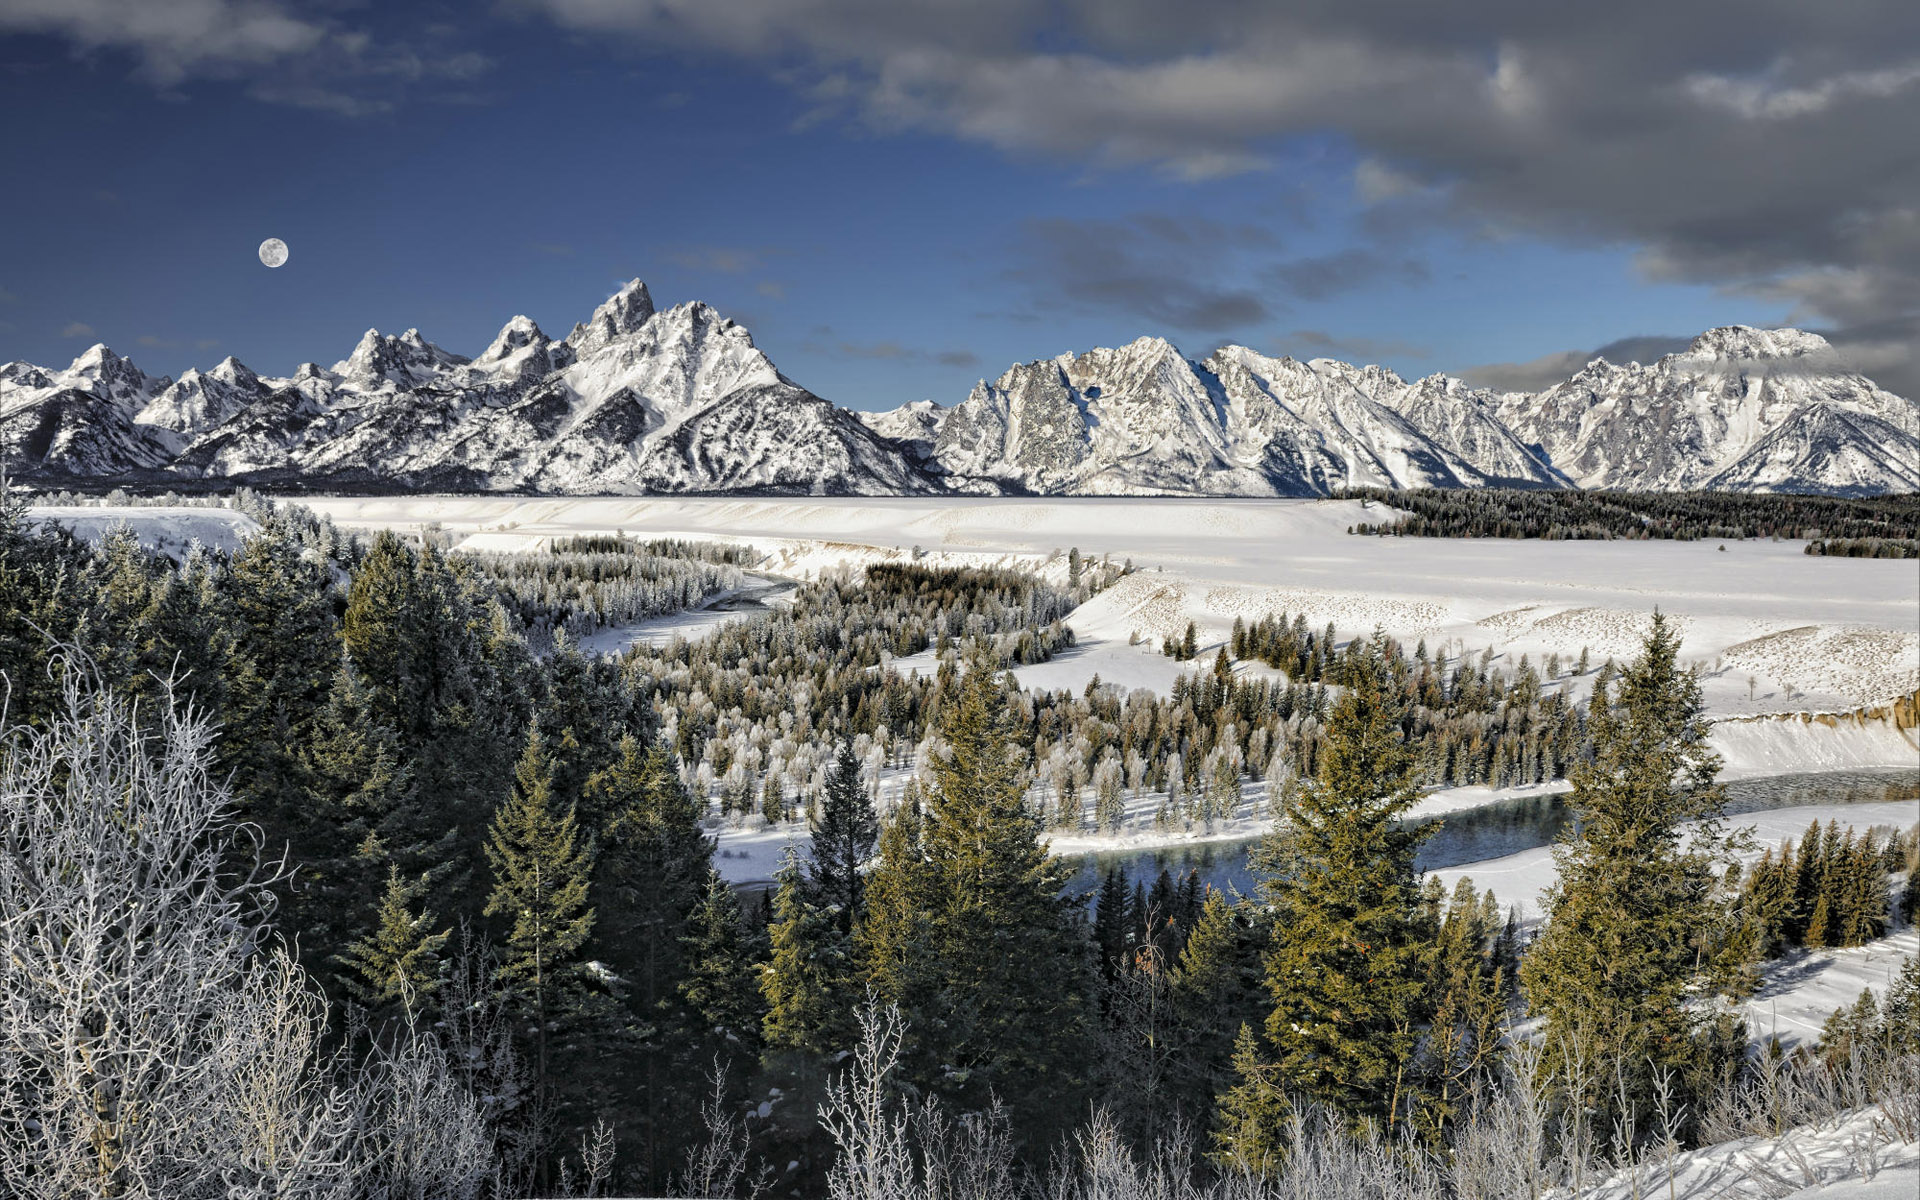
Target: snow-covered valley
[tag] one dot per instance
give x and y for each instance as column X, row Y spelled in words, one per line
column 1814, row 635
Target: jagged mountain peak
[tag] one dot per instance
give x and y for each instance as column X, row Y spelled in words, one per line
column 1748, row 342
column 399, row 360
column 232, row 370
column 100, row 371
column 518, row 332
column 620, row 314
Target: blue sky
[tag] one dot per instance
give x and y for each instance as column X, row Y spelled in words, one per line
column 880, row 249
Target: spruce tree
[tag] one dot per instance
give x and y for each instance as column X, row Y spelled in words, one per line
column 721, row 982
column 1615, row 972
column 1470, row 988
column 276, row 678
column 843, row 841
column 1347, row 968
column 399, row 961
column 1250, row 1124
column 804, row 981
column 540, row 870
column 1214, row 989
column 649, row 877
column 893, row 944
column 1003, row 954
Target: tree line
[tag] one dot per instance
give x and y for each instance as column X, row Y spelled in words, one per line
column 1830, row 889
column 1892, row 523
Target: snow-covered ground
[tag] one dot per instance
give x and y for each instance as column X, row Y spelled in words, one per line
column 1854, row 1157
column 1813, row 634
column 171, row 531
column 1518, row 879
column 1802, row 989
column 691, row 624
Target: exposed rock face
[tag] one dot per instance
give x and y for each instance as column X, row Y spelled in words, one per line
column 633, row 400
column 636, row 400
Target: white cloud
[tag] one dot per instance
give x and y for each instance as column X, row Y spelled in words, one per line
column 74, row 329
column 172, row 38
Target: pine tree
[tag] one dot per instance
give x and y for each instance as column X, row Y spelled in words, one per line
column 1900, row 1020
column 1347, row 969
column 1003, row 953
column 893, row 945
column 805, row 981
column 843, row 840
column 540, row 870
column 721, row 979
column 1249, row 1135
column 1214, row 988
column 649, row 876
column 399, row 961
column 276, row 678
column 1111, row 931
column 1614, row 972
column 1470, row 990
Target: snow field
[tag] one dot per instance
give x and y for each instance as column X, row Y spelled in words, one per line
column 1812, row 633
column 172, row 531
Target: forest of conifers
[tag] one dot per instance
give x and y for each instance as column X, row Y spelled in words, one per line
column 343, row 841
column 1859, row 527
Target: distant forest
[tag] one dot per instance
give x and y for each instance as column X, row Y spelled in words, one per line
column 1856, row 527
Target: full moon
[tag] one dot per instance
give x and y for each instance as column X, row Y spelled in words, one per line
column 273, row 252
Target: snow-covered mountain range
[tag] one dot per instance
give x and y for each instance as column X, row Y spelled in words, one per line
column 635, row 400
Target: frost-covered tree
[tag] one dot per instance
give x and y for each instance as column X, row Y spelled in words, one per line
column 153, row 1041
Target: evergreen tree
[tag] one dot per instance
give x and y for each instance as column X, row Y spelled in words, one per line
column 722, row 980
column 399, row 962
column 804, row 981
column 1111, row 931
column 540, row 870
column 276, row 678
column 1470, row 987
column 1249, row 1135
column 893, row 945
column 1002, row 951
column 843, row 841
column 1615, row 970
column 39, row 605
column 1347, row 968
column 649, row 877
column 1213, row 989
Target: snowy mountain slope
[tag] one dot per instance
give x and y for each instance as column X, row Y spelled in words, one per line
column 1142, row 419
column 636, row 400
column 1742, row 408
column 633, row 400
column 1694, row 416
column 915, row 425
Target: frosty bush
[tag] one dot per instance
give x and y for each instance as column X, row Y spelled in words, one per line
column 153, row 1043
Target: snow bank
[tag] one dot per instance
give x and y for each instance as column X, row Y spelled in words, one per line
column 1778, row 744
column 1851, row 1158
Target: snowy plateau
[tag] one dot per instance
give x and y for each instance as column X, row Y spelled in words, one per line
column 636, row 401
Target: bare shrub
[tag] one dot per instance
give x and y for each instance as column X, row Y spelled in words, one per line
column 155, row 1045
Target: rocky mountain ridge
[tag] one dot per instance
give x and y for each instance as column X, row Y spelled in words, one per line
column 680, row 400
